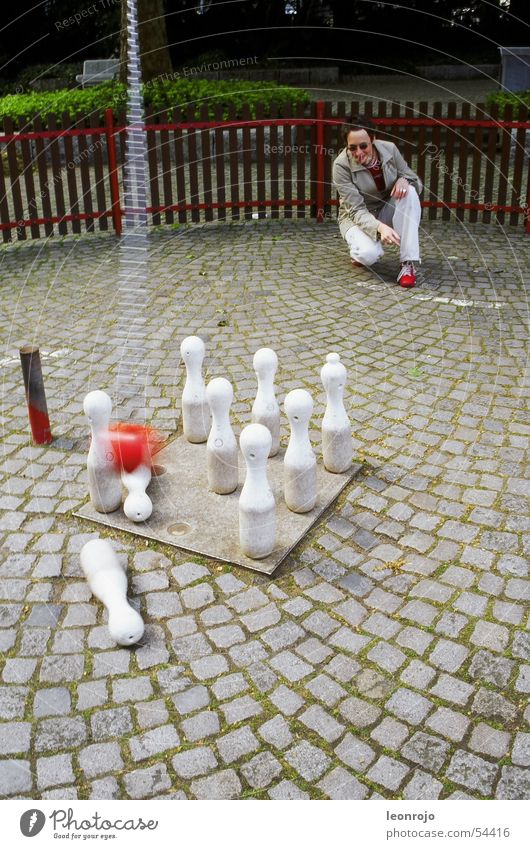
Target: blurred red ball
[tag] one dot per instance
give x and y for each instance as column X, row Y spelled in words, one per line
column 133, row 445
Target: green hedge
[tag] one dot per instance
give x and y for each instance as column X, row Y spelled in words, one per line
column 505, row 98
column 159, row 96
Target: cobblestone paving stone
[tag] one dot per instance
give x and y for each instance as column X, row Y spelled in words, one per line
column 389, row 656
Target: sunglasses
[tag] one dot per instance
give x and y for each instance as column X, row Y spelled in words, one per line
column 362, row 145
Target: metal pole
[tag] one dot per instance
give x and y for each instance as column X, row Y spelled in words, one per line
column 132, row 297
column 35, row 395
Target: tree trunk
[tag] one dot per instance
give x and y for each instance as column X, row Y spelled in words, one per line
column 154, row 51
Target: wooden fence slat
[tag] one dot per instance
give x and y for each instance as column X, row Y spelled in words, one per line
column 41, row 156
column 332, row 136
column 334, row 140
column 504, row 175
column 381, row 113
column 180, row 178
column 476, row 167
column 57, row 178
column 97, row 140
column 206, row 165
column 121, row 147
column 517, row 197
column 329, row 154
column 461, row 181
column 335, row 132
column 5, row 217
column 287, row 163
column 233, row 138
column 247, row 162
column 382, row 129
column 71, row 178
column 312, row 157
column 273, row 162
column 435, row 154
column 120, row 121
column 449, row 189
column 219, row 136
column 301, row 158
column 316, row 160
column 422, row 142
column 84, row 170
column 408, row 146
column 14, row 179
column 193, row 166
column 490, row 164
column 395, row 130
column 526, row 203
column 167, row 185
column 29, row 183
column 260, row 161
column 152, row 169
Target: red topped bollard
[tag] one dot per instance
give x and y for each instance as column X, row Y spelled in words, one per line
column 35, row 395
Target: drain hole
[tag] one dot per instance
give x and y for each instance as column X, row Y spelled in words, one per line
column 179, row 529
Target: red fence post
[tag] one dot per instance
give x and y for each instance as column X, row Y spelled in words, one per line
column 113, row 171
column 320, row 153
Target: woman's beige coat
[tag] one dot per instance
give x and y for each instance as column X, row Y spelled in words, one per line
column 359, row 199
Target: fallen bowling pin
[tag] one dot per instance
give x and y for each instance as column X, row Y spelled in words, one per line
column 300, row 464
column 137, row 506
column 195, row 410
column 265, row 409
column 337, row 442
column 108, row 583
column 221, row 448
column 257, row 508
column 104, row 484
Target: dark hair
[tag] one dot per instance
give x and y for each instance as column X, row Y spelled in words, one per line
column 357, row 122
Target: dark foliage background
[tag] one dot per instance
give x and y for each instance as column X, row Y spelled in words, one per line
column 362, row 35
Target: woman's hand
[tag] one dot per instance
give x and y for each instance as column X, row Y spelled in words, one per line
column 400, row 188
column 388, row 235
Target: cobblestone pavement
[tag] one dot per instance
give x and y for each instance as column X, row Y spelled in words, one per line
column 390, row 656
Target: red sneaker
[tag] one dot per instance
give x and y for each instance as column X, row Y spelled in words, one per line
column 407, row 275
column 356, row 264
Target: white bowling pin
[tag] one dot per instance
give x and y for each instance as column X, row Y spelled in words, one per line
column 257, row 508
column 104, row 484
column 300, row 464
column 137, row 506
column 337, row 443
column 221, row 448
column 265, row 409
column 108, row 582
column 195, row 412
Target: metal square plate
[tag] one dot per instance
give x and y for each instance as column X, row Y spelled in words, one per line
column 188, row 516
